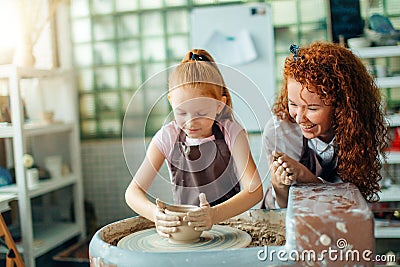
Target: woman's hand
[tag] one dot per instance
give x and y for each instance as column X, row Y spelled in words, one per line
column 202, row 218
column 282, row 176
column 282, row 173
column 285, row 172
column 288, row 171
column 165, row 224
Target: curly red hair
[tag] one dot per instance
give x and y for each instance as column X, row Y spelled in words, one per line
column 342, row 81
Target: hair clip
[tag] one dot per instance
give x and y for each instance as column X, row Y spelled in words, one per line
column 294, row 49
column 198, row 57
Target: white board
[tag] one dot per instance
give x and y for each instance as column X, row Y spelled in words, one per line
column 241, row 39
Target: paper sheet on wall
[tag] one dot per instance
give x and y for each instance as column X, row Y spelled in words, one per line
column 232, row 50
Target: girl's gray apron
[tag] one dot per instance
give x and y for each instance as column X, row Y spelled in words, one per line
column 206, row 168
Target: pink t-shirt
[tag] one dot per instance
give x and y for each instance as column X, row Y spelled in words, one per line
column 166, row 137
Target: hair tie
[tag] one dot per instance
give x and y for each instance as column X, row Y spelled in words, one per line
column 294, row 49
column 197, row 57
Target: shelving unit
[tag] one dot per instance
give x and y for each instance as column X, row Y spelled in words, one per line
column 383, row 229
column 39, row 237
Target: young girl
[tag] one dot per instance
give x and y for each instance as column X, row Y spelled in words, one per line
column 329, row 124
column 206, row 150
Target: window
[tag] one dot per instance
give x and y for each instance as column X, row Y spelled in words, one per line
column 118, row 45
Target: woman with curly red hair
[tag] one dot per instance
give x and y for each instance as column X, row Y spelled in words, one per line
column 329, row 124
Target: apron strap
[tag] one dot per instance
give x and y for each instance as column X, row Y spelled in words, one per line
column 313, row 162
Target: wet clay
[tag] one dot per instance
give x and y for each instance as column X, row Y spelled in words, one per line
column 261, row 234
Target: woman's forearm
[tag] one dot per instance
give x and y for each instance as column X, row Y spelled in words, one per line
column 282, row 191
column 305, row 176
column 281, row 194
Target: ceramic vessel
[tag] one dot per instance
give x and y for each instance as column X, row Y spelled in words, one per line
column 54, row 165
column 185, row 233
column 358, row 42
column 32, row 177
column 48, row 116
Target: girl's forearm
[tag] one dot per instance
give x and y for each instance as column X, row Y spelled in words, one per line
column 138, row 201
column 236, row 205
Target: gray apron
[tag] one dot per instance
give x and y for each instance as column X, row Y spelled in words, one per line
column 206, row 168
column 313, row 162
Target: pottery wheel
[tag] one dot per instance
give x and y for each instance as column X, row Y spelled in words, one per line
column 219, row 237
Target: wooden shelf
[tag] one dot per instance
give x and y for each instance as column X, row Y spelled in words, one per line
column 32, row 129
column 41, row 129
column 388, row 82
column 52, row 235
column 390, row 194
column 394, row 120
column 43, row 187
column 7, row 71
column 387, row 232
column 377, row 52
column 6, row 130
column 393, row 157
column 5, row 198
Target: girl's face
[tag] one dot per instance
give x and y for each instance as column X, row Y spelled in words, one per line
column 310, row 112
column 195, row 113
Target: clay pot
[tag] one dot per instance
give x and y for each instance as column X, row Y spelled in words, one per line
column 185, row 233
column 48, row 116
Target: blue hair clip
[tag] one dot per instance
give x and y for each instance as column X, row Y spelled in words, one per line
column 294, row 49
column 198, row 57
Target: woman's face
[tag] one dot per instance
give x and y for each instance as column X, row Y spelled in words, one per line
column 194, row 112
column 310, row 112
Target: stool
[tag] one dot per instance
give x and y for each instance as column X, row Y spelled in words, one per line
column 13, row 257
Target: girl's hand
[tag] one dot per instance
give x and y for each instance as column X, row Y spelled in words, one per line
column 165, row 224
column 202, row 218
